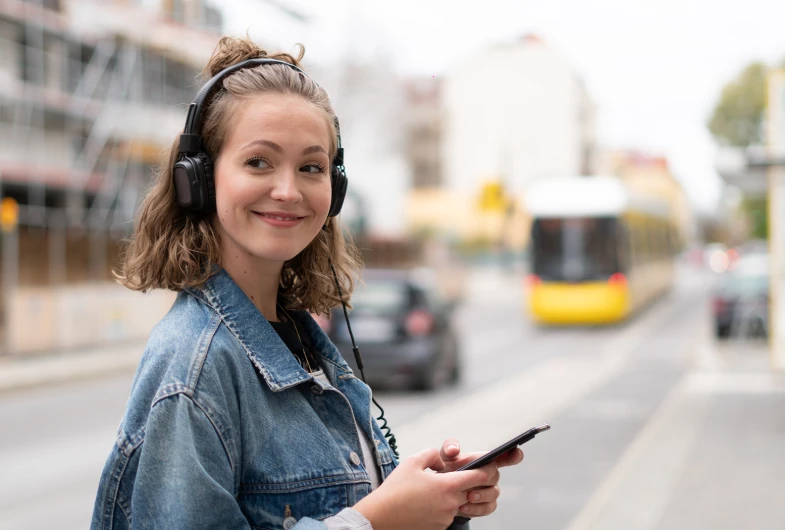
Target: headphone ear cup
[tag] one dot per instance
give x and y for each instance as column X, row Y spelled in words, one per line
column 209, row 182
column 193, row 183
column 339, row 185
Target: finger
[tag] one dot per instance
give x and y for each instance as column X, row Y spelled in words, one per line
column 474, row 478
column 484, row 495
column 462, row 459
column 428, row 459
column 450, row 449
column 510, row 458
column 477, row 510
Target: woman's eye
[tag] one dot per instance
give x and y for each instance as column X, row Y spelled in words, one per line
column 313, row 168
column 258, row 163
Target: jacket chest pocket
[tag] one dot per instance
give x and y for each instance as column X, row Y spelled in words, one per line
column 280, row 506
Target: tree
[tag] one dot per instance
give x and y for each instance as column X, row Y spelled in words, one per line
column 755, row 208
column 738, row 116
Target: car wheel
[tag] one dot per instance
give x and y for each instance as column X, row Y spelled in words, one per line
column 437, row 373
column 455, row 361
column 427, row 380
column 722, row 331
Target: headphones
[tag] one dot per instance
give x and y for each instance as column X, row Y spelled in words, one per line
column 193, row 171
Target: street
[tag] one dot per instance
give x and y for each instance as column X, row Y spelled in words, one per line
column 634, row 411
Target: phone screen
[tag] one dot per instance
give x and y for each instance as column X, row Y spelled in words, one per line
column 490, row 456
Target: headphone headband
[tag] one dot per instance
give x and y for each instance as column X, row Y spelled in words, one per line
column 190, row 142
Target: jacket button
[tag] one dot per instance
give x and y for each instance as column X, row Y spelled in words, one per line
column 354, row 458
column 317, row 389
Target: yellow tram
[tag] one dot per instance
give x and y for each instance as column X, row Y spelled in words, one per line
column 599, row 251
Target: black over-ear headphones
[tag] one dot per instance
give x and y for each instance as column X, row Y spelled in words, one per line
column 193, row 171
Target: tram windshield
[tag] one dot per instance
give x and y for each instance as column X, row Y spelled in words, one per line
column 575, row 249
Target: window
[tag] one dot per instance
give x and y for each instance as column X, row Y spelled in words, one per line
column 575, row 249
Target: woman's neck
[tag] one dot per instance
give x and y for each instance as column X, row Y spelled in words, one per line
column 259, row 281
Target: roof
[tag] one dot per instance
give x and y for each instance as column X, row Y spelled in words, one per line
column 586, row 196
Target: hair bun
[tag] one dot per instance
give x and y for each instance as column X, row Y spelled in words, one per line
column 233, row 50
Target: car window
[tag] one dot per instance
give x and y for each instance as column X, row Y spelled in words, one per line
column 745, row 284
column 380, row 295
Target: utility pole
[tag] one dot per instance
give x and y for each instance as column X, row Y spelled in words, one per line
column 776, row 184
column 9, row 225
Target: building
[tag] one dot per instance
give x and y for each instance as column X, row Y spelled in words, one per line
column 650, row 175
column 424, row 132
column 370, row 101
column 515, row 113
column 91, row 92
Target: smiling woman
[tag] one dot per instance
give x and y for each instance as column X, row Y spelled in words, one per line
column 243, row 414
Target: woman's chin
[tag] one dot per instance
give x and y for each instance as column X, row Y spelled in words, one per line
column 278, row 256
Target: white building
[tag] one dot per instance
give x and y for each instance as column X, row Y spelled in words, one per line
column 515, row 112
column 370, row 101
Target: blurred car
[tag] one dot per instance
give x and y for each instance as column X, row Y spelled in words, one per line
column 740, row 301
column 403, row 328
column 715, row 257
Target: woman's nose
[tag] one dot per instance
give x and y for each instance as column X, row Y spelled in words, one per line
column 285, row 188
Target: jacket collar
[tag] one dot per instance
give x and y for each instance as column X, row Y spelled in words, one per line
column 267, row 352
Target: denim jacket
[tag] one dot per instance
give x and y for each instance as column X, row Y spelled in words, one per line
column 224, row 429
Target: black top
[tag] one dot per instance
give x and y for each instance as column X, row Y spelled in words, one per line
column 300, row 351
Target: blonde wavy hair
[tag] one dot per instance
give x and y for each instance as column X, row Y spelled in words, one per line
column 171, row 249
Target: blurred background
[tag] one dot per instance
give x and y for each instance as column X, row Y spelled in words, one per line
column 570, row 213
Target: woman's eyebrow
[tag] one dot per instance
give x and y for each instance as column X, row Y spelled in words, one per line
column 278, row 149
column 314, row 149
column 272, row 145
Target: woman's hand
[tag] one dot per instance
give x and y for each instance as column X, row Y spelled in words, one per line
column 482, row 500
column 413, row 497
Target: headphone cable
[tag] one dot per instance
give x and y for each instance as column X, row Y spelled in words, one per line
column 356, row 350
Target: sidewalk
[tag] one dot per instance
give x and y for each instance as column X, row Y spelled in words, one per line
column 711, row 458
column 19, row 372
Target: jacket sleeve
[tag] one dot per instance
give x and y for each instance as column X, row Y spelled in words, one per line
column 347, row 519
column 185, row 476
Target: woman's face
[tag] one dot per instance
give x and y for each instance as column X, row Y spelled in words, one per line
column 272, row 179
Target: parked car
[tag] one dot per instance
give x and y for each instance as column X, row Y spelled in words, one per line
column 740, row 301
column 403, row 328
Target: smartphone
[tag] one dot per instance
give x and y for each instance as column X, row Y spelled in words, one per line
column 490, row 456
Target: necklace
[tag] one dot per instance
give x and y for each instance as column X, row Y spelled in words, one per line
column 302, row 344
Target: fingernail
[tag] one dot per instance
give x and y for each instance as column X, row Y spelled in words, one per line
column 452, row 447
column 475, row 496
column 466, row 509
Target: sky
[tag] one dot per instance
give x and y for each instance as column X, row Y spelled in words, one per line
column 654, row 69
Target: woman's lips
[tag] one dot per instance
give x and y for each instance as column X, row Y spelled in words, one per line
column 279, row 219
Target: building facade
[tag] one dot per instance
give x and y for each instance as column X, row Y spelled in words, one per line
column 424, row 132
column 91, row 93
column 515, row 113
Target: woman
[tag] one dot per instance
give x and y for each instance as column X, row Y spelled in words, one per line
column 242, row 413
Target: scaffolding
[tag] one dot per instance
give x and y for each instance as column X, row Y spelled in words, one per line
column 87, row 103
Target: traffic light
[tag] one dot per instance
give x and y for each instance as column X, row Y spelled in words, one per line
column 9, row 214
column 493, row 197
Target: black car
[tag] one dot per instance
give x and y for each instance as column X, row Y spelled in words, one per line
column 403, row 329
column 740, row 302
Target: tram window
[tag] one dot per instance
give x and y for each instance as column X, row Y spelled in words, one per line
column 575, row 249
